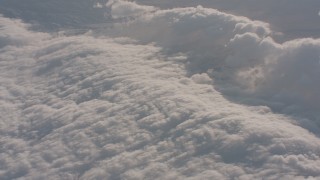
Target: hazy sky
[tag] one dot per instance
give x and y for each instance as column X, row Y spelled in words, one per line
column 295, row 18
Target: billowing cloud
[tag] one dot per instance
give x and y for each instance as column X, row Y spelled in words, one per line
column 294, row 18
column 126, row 9
column 140, row 100
column 236, row 51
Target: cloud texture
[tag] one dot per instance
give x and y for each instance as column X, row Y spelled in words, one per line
column 236, row 51
column 140, row 100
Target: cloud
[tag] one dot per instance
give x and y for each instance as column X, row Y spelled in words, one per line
column 294, row 18
column 240, row 55
column 126, row 9
column 15, row 33
column 140, row 101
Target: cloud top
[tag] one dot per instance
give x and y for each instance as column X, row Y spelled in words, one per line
column 141, row 100
column 239, row 51
column 127, row 9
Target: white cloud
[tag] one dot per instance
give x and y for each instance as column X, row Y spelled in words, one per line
column 126, row 9
column 239, row 51
column 294, row 18
column 146, row 105
column 15, row 33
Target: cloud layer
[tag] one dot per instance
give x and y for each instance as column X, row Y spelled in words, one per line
column 140, row 100
column 240, row 54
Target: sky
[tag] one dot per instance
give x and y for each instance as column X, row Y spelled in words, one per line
column 293, row 18
column 159, row 89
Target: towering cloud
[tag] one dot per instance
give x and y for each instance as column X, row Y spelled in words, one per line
column 294, row 18
column 236, row 51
